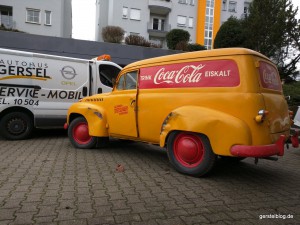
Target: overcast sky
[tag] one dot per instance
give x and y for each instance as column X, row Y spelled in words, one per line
column 84, row 12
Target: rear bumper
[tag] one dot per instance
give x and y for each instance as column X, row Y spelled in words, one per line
column 260, row 151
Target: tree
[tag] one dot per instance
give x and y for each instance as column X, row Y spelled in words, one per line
column 175, row 36
column 230, row 34
column 113, row 34
column 273, row 30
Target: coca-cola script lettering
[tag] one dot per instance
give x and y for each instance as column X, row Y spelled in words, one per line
column 220, row 73
column 187, row 74
column 269, row 76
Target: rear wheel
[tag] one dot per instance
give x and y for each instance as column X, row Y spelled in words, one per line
column 78, row 133
column 190, row 153
column 16, row 126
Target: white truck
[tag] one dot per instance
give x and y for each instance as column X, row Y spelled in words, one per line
column 37, row 89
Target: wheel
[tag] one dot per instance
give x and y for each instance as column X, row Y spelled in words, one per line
column 78, row 133
column 190, row 153
column 16, row 126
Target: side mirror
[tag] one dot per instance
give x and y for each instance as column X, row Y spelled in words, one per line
column 84, row 91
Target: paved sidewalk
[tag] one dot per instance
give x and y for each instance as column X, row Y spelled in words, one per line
column 46, row 181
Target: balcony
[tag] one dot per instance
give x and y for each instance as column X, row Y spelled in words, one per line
column 158, row 31
column 6, row 18
column 161, row 7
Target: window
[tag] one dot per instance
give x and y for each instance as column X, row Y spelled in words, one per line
column 181, row 21
column 127, row 81
column 125, row 12
column 182, row 1
column 158, row 24
column 209, row 21
column 108, row 74
column 47, row 17
column 191, row 22
column 33, row 15
column 246, row 8
column 224, row 5
column 232, row 7
column 134, row 33
column 135, row 14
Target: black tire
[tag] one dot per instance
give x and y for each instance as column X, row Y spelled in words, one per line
column 16, row 126
column 78, row 133
column 190, row 153
column 232, row 159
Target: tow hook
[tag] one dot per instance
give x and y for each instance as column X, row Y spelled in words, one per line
column 266, row 158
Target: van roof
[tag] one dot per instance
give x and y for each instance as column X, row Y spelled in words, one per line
column 196, row 54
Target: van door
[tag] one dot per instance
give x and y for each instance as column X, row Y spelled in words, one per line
column 275, row 103
column 122, row 106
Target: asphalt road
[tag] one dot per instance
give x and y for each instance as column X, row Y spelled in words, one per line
column 45, row 180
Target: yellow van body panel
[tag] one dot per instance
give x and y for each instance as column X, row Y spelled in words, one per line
column 226, row 111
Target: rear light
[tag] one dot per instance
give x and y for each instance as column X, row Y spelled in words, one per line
column 291, row 113
column 261, row 115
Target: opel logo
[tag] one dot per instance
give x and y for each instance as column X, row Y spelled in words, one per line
column 68, row 72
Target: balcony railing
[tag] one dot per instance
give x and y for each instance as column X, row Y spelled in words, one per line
column 161, row 7
column 158, row 31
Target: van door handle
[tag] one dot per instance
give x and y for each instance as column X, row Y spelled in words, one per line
column 132, row 103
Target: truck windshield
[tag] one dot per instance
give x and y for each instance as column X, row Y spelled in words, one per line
column 108, row 73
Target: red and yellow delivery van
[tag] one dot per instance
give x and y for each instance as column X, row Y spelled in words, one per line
column 198, row 105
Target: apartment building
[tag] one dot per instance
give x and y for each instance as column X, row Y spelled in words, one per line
column 153, row 19
column 213, row 13
column 50, row 18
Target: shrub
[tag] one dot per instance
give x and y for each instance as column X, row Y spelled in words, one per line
column 137, row 40
column 195, row 47
column 112, row 34
column 175, row 36
column 182, row 45
column 2, row 27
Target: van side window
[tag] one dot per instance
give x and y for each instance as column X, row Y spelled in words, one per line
column 128, row 81
column 108, row 74
column 121, row 83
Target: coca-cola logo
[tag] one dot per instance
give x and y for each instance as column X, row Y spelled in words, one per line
column 270, row 77
column 187, row 74
column 214, row 73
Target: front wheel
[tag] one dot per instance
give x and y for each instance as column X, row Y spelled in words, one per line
column 16, row 126
column 190, row 153
column 78, row 133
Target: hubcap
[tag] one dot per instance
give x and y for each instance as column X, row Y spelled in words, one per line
column 81, row 133
column 188, row 150
column 16, row 126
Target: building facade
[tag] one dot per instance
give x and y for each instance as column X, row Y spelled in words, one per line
column 153, row 19
column 50, row 18
column 213, row 13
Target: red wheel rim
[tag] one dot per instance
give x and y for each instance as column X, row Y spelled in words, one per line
column 81, row 133
column 188, row 150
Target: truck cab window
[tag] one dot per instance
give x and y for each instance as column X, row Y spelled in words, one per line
column 108, row 73
column 121, row 85
column 127, row 81
column 130, row 81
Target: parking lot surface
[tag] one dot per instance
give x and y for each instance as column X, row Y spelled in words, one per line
column 45, row 180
